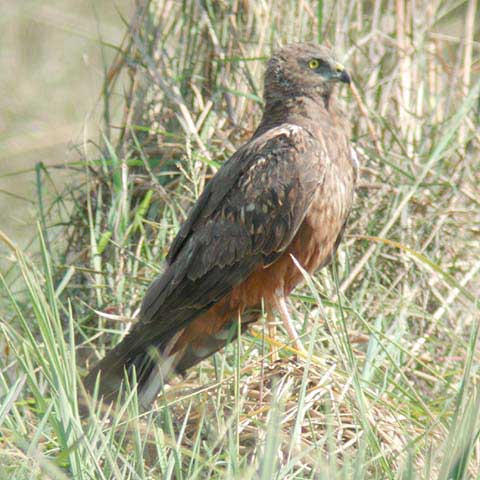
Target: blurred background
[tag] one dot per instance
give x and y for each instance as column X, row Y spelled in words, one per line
column 52, row 62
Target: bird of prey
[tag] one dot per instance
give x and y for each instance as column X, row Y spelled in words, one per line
column 281, row 200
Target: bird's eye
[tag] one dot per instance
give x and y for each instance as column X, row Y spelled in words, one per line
column 313, row 64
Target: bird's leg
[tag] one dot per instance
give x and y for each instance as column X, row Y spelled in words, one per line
column 272, row 332
column 287, row 322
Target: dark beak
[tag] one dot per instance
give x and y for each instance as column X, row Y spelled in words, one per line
column 344, row 77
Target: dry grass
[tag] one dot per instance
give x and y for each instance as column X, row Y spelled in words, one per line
column 389, row 389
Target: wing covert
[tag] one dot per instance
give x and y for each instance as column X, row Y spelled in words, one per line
column 247, row 216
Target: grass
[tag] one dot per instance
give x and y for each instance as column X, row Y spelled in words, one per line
column 389, row 388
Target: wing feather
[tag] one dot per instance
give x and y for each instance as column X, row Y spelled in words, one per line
column 246, row 217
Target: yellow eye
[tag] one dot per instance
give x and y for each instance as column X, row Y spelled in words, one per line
column 313, row 63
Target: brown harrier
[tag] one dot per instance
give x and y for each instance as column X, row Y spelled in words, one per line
column 286, row 193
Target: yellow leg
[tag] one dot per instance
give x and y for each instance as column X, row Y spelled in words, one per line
column 272, row 333
column 288, row 324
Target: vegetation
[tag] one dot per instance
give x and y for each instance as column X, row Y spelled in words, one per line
column 390, row 385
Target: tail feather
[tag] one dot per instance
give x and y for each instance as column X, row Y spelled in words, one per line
column 175, row 353
column 145, row 366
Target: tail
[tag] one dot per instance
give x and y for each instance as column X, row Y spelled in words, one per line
column 154, row 364
column 122, row 363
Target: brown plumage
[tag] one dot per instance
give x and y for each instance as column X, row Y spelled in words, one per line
column 286, row 192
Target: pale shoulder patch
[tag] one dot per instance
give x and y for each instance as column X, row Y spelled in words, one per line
column 288, row 129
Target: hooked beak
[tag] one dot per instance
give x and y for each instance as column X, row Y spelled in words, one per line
column 341, row 74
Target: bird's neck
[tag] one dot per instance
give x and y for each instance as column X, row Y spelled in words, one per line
column 301, row 110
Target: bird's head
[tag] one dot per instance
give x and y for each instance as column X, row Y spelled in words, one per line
column 303, row 69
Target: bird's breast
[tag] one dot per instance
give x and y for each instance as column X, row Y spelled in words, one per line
column 319, row 235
